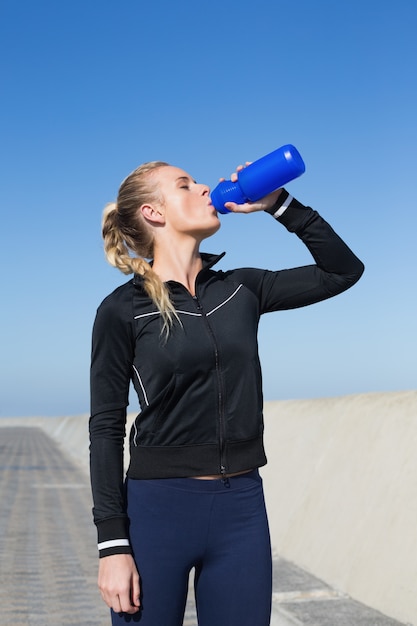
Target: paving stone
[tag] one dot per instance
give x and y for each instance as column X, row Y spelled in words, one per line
column 48, row 556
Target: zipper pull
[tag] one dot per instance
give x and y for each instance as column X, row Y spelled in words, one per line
column 225, row 479
column 197, row 303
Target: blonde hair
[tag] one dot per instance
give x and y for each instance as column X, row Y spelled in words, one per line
column 128, row 240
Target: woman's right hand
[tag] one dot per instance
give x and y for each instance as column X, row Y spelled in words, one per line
column 118, row 581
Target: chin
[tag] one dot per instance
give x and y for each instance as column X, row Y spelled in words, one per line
column 216, row 226
column 209, row 231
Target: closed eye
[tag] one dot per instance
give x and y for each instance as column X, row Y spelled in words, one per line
column 185, row 182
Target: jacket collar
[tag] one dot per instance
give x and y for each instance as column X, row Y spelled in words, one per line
column 208, row 261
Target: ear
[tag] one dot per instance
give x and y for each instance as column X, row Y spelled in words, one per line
column 152, row 213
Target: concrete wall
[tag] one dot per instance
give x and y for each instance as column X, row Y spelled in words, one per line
column 341, row 485
column 341, row 489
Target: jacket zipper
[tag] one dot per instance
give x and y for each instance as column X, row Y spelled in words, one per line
column 222, row 436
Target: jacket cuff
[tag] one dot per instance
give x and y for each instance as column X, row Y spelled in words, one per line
column 113, row 537
column 284, row 201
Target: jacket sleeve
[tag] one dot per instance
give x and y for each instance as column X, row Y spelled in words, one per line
column 336, row 267
column 111, row 365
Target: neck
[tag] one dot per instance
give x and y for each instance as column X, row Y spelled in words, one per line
column 179, row 263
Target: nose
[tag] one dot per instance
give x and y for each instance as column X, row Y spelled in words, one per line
column 204, row 190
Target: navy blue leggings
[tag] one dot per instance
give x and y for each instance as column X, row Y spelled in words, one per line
column 220, row 529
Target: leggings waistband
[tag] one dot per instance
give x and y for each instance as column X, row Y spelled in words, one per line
column 242, row 481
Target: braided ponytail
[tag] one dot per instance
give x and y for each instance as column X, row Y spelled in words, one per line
column 128, row 241
column 115, row 247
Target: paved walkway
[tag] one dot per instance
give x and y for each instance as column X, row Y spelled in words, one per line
column 48, row 559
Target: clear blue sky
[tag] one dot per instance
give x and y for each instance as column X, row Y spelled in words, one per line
column 92, row 89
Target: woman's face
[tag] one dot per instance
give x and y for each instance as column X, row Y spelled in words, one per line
column 187, row 205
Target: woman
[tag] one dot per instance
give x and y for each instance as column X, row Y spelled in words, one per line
column 186, row 335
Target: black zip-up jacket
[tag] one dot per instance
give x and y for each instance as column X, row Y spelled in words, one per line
column 199, row 390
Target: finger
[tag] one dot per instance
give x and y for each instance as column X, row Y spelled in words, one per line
column 106, row 598
column 233, row 177
column 126, row 603
column 112, row 601
column 242, row 167
column 247, row 207
column 238, row 169
column 136, row 591
column 117, row 608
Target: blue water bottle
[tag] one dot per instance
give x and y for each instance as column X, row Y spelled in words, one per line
column 260, row 178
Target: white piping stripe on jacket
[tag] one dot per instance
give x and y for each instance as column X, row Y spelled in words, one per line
column 226, row 301
column 146, row 315
column 146, row 402
column 136, row 317
column 141, row 386
column 188, row 313
column 184, row 313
